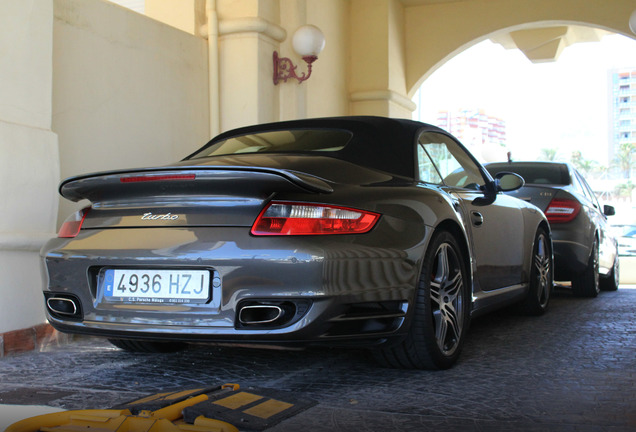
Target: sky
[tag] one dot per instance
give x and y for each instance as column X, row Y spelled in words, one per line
column 562, row 105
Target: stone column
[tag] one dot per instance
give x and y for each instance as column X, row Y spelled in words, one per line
column 29, row 161
column 377, row 66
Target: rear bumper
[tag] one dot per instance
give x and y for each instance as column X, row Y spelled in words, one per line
column 319, row 327
column 570, row 258
column 351, row 292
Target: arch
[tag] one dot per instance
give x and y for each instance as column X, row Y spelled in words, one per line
column 437, row 31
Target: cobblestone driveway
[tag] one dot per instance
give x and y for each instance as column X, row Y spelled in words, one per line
column 573, row 369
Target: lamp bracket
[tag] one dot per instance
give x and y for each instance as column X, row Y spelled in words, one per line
column 285, row 69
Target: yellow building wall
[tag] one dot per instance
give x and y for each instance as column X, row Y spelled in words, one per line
column 186, row 15
column 128, row 91
column 249, row 31
column 29, row 169
column 377, row 52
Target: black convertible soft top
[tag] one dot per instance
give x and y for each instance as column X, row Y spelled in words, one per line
column 382, row 143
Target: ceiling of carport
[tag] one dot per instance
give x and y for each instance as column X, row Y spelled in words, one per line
column 544, row 44
column 539, row 45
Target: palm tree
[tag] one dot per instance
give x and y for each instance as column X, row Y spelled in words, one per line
column 625, row 158
column 625, row 190
column 548, row 154
column 585, row 166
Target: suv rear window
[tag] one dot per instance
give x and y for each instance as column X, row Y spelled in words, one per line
column 283, row 141
column 553, row 174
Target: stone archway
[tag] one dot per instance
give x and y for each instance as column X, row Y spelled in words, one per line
column 397, row 44
column 436, row 31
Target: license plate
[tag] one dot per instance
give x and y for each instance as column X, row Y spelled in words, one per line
column 156, row 286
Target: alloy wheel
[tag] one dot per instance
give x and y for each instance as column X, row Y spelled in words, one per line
column 542, row 264
column 595, row 264
column 447, row 299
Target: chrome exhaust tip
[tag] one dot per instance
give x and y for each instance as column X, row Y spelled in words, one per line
column 260, row 314
column 62, row 306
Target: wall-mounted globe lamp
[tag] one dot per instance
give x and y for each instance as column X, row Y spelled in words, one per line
column 308, row 42
column 632, row 22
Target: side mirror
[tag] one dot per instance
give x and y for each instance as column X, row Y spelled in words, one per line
column 507, row 181
column 609, row 210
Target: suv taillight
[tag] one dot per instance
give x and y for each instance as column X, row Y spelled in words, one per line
column 73, row 224
column 562, row 210
column 281, row 218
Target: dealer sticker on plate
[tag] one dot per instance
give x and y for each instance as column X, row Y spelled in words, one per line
column 156, row 286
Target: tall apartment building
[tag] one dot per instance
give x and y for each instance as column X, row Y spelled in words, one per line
column 622, row 109
column 473, row 127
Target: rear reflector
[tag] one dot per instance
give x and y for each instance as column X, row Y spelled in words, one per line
column 562, row 210
column 151, row 178
column 280, row 218
column 73, row 224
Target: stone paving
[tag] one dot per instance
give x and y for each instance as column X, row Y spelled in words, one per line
column 573, row 369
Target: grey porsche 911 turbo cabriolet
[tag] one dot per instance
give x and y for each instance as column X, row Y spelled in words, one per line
column 354, row 231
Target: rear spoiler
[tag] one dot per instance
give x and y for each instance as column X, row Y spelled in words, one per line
column 184, row 180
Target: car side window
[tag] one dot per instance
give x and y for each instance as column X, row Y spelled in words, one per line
column 588, row 191
column 578, row 186
column 442, row 161
column 426, row 168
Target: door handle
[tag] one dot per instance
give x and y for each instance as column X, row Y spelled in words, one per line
column 476, row 218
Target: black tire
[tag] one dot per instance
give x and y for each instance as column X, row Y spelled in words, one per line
column 442, row 311
column 587, row 283
column 148, row 346
column 611, row 281
column 541, row 275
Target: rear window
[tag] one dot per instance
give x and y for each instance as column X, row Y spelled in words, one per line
column 535, row 173
column 284, row 141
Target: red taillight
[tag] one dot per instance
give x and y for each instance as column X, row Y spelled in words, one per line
column 562, row 210
column 73, row 224
column 280, row 218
